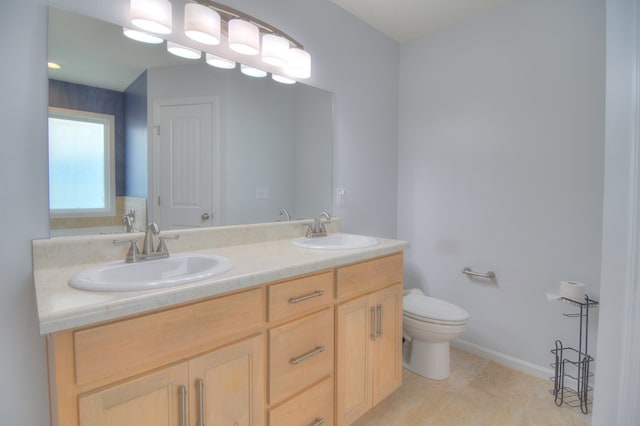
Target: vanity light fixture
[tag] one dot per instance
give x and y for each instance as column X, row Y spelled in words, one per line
column 208, row 22
column 244, row 37
column 275, row 49
column 281, row 79
column 140, row 36
column 201, row 23
column 183, row 51
column 152, row 15
column 219, row 62
column 251, row 71
column 299, row 63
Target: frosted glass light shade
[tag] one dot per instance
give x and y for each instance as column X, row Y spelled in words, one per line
column 281, row 79
column 152, row 15
column 299, row 63
column 201, row 24
column 183, row 51
column 140, row 36
column 218, row 62
column 251, row 71
column 244, row 37
column 275, row 50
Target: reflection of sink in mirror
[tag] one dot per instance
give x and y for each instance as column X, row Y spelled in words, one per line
column 151, row 274
column 336, row 242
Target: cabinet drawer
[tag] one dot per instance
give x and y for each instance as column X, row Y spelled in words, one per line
column 124, row 348
column 300, row 354
column 367, row 276
column 309, row 408
column 296, row 297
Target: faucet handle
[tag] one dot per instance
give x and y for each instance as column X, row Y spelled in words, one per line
column 162, row 246
column 133, row 249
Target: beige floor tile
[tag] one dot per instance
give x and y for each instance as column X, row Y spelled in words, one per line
column 477, row 393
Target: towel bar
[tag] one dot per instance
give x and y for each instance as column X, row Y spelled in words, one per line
column 468, row 271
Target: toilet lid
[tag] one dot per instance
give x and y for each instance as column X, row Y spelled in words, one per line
column 430, row 308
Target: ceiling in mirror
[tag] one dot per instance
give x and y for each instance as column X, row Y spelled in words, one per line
column 271, row 146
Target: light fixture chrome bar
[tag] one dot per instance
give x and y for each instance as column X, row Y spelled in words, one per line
column 228, row 13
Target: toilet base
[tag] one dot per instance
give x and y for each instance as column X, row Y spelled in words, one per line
column 428, row 359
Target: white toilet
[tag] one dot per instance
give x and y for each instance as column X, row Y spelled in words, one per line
column 431, row 324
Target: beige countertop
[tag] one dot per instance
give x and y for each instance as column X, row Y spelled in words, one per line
column 267, row 255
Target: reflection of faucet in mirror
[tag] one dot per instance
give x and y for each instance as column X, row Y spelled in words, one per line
column 317, row 229
column 128, row 220
column 285, row 213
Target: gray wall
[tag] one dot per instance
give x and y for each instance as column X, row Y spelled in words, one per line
column 349, row 60
column 501, row 168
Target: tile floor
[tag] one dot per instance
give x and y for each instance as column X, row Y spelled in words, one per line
column 478, row 393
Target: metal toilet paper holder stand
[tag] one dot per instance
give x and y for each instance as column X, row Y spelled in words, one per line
column 573, row 363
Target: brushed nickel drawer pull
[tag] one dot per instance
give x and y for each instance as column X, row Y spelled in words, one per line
column 183, row 405
column 380, row 319
column 200, row 384
column 318, row 421
column 307, row 297
column 299, row 359
column 374, row 322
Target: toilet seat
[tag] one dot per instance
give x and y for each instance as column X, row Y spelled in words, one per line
column 432, row 310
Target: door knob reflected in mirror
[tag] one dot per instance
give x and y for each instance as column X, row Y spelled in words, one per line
column 205, row 216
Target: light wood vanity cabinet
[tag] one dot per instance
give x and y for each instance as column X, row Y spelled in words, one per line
column 301, row 351
column 369, row 336
column 147, row 370
column 316, row 349
column 223, row 387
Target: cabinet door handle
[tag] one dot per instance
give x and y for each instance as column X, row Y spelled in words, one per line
column 374, row 322
column 318, row 421
column 306, row 297
column 182, row 391
column 380, row 320
column 299, row 359
column 200, row 384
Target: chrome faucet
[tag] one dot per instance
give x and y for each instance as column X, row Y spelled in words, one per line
column 285, row 213
column 147, row 245
column 128, row 219
column 148, row 252
column 317, row 229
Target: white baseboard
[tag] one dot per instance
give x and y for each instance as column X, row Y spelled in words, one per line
column 506, row 360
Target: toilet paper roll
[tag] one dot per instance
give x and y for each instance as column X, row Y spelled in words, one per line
column 572, row 290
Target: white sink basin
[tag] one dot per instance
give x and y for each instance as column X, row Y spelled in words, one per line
column 151, row 274
column 336, row 242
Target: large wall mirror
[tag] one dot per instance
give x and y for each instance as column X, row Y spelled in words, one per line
column 189, row 145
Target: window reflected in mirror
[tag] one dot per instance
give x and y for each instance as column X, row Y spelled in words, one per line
column 81, row 152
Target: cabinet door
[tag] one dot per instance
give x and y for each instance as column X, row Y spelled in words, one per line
column 387, row 346
column 354, row 362
column 151, row 400
column 227, row 385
